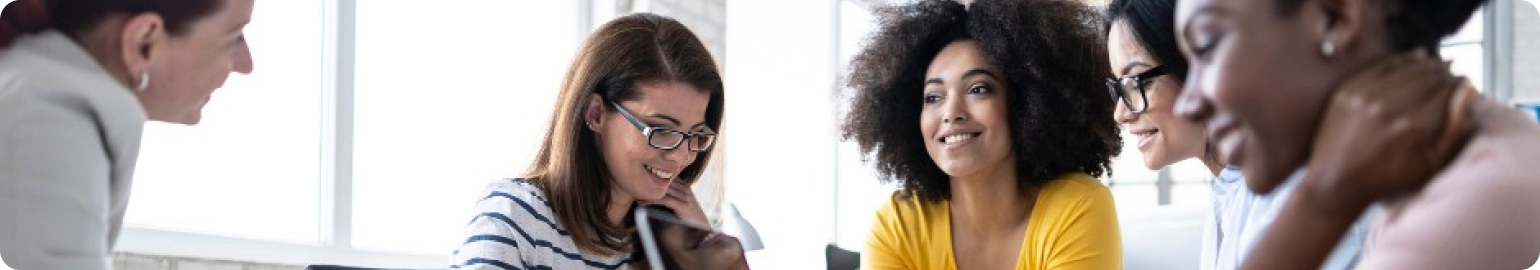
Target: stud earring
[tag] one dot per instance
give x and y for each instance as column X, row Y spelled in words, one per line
column 144, row 81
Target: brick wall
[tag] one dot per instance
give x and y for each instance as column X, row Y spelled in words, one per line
column 1526, row 51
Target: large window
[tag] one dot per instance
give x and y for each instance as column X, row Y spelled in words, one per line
column 364, row 136
column 447, row 102
column 1465, row 51
column 252, row 168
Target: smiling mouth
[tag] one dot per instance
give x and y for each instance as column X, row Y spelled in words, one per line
column 1145, row 136
column 660, row 173
column 957, row 139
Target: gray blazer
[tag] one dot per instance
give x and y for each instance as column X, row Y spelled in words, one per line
column 69, row 136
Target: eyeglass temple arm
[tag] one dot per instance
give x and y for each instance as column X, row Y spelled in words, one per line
column 629, row 117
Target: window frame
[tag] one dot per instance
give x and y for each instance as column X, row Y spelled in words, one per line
column 334, row 244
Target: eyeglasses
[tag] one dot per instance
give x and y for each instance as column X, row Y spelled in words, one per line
column 1130, row 89
column 668, row 139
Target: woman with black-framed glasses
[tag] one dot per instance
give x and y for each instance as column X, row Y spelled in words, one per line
column 1153, row 71
column 634, row 125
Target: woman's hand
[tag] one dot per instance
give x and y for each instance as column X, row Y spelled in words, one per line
column 699, row 248
column 1386, row 132
column 682, row 200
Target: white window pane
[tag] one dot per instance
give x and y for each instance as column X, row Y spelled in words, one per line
column 251, row 169
column 1467, row 61
column 787, row 64
column 449, row 97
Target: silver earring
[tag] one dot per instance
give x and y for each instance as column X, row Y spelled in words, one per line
column 144, row 81
column 1327, row 47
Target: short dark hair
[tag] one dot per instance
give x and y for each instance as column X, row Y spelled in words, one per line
column 1051, row 55
column 1151, row 23
column 1415, row 23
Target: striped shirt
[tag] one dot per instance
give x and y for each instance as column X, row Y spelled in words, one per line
column 514, row 228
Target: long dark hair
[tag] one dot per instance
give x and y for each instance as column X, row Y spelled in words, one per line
column 74, row 17
column 622, row 53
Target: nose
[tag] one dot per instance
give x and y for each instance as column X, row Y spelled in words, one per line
column 242, row 59
column 954, row 110
column 1120, row 112
column 1191, row 104
column 680, row 155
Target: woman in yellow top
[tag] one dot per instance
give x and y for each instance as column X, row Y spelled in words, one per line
column 994, row 121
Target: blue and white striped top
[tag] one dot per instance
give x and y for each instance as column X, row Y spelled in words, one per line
column 514, row 229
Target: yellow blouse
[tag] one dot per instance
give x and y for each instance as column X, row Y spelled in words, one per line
column 1073, row 226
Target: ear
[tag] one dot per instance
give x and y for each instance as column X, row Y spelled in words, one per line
column 1343, row 23
column 592, row 113
column 140, row 40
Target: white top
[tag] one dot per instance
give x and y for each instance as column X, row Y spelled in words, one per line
column 514, row 228
column 1240, row 218
column 69, row 136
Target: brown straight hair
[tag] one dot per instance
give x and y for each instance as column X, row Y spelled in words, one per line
column 74, row 17
column 621, row 54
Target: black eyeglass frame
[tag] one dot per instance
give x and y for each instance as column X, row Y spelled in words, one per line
column 649, row 131
column 1141, row 82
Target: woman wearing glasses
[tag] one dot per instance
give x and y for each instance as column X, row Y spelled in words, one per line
column 1149, row 72
column 634, row 124
column 995, row 133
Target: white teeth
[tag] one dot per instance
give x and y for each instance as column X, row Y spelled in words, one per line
column 950, row 139
column 660, row 173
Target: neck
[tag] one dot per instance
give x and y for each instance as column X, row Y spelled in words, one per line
column 992, row 200
column 620, row 203
column 1211, row 162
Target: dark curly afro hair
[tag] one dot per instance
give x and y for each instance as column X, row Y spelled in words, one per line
column 1052, row 56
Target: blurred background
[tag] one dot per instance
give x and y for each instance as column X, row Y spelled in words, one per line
column 370, row 127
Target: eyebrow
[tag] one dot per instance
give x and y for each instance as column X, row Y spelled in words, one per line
column 1130, row 66
column 675, row 121
column 969, row 73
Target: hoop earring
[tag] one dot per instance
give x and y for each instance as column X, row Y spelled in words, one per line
column 144, row 81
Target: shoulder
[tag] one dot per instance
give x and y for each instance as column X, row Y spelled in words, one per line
column 39, row 77
column 900, row 210
column 909, row 219
column 518, row 199
column 1479, row 210
column 1075, row 187
column 1074, row 201
column 1496, row 163
column 906, row 233
column 1076, row 222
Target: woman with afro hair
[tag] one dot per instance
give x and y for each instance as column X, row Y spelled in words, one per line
column 995, row 122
